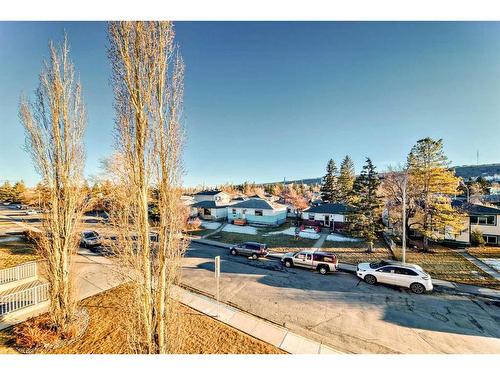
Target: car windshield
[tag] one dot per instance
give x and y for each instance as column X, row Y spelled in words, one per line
column 375, row 265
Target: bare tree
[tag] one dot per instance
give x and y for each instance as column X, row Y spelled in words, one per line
column 55, row 124
column 148, row 76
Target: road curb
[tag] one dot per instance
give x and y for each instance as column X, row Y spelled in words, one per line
column 454, row 288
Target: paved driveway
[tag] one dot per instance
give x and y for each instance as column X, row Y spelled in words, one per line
column 345, row 313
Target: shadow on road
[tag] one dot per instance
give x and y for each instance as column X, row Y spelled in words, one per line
column 435, row 312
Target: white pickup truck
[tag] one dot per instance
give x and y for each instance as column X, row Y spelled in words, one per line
column 322, row 261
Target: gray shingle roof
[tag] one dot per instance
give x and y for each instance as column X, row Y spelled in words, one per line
column 475, row 209
column 329, row 208
column 257, row 203
column 209, row 192
column 208, row 204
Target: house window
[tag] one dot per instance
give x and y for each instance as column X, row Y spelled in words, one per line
column 234, row 211
column 206, row 211
column 311, row 216
column 258, row 213
column 482, row 220
column 493, row 240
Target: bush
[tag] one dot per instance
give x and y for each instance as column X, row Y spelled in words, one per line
column 40, row 331
column 31, row 236
column 476, row 238
column 35, row 332
column 193, row 224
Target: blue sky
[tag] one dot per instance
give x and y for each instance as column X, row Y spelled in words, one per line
column 271, row 100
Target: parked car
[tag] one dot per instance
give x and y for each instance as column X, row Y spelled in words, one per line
column 90, row 239
column 396, row 273
column 251, row 249
column 31, row 212
column 322, row 261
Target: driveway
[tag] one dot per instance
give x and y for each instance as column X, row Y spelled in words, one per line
column 346, row 313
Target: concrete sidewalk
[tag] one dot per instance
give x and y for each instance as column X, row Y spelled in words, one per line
column 250, row 324
column 439, row 285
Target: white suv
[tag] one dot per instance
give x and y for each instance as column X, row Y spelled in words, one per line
column 396, row 273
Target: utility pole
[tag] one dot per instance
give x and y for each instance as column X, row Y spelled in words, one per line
column 405, row 182
column 217, row 280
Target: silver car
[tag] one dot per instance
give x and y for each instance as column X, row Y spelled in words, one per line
column 250, row 249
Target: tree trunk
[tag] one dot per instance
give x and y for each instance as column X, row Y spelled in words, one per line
column 370, row 247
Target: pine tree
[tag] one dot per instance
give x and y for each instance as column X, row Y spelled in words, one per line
column 433, row 184
column 6, row 191
column 346, row 179
column 329, row 188
column 364, row 218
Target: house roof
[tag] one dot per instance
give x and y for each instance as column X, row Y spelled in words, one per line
column 209, row 192
column 475, row 209
column 329, row 208
column 258, row 203
column 208, row 204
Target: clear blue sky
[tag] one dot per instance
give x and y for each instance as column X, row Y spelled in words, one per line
column 264, row 101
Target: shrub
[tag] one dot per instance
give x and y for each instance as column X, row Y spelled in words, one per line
column 31, row 236
column 193, row 224
column 476, row 238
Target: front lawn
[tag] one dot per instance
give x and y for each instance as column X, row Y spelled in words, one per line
column 447, row 264
column 491, row 252
column 107, row 332
column 16, row 252
column 277, row 242
column 355, row 252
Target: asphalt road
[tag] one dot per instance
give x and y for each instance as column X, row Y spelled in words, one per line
column 345, row 312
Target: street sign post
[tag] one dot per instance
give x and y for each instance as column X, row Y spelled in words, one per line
column 217, row 280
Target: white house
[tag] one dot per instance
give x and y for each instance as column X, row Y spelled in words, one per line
column 212, row 195
column 479, row 218
column 257, row 211
column 330, row 215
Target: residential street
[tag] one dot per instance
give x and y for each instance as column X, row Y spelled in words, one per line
column 338, row 309
column 346, row 313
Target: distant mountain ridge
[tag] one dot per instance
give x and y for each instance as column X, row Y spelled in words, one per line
column 490, row 172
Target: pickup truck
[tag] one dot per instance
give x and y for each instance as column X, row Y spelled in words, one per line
column 322, row 261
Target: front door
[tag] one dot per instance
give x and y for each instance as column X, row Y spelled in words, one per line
column 327, row 220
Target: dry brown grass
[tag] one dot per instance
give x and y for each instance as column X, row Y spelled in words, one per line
column 355, row 252
column 447, row 264
column 16, row 252
column 277, row 243
column 107, row 331
column 491, row 252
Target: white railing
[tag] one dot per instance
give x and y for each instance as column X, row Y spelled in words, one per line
column 23, row 298
column 20, row 272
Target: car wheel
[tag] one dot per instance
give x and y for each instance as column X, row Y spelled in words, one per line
column 370, row 279
column 254, row 256
column 288, row 264
column 323, row 270
column 234, row 252
column 417, row 288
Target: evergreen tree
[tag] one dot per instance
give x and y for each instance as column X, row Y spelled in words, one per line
column 346, row 179
column 329, row 188
column 364, row 218
column 433, row 184
column 6, row 191
column 18, row 190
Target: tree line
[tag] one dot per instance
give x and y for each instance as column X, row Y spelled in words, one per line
column 426, row 180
